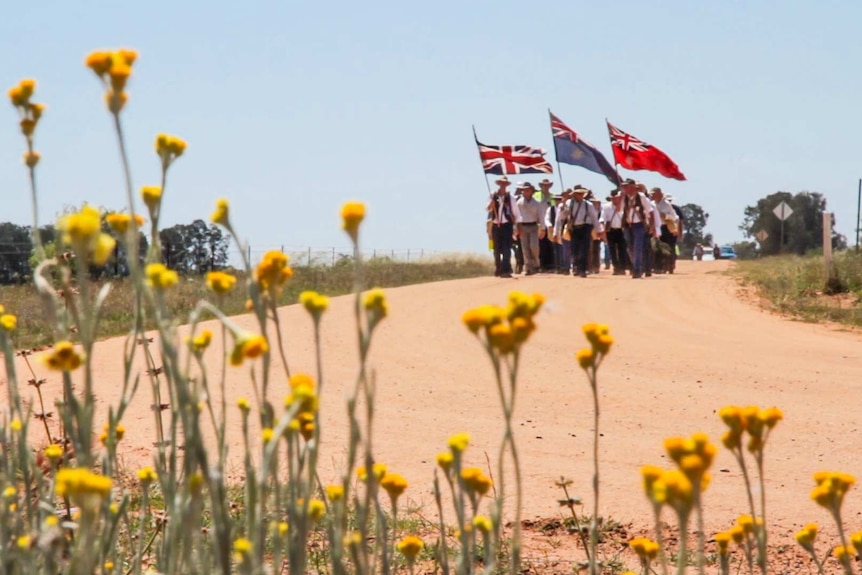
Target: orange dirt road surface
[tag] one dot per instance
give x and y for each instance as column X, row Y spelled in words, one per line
column 685, row 346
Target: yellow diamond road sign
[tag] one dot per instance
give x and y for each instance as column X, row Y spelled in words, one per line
column 761, row 236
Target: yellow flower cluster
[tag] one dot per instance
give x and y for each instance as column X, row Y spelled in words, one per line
column 314, row 303
column 722, row 540
column 844, row 553
column 352, row 214
column 247, row 345
column 831, row 488
column 114, row 69
column 220, row 282
column 271, row 273
column 693, row 455
column 63, row 357
column 160, row 277
column 378, row 469
column 221, row 215
column 394, row 484
column 120, row 431
column 751, row 419
column 674, row 487
column 8, row 321
column 505, row 329
column 375, row 305
column 646, row 549
column 806, row 536
column 476, row 480
column 410, row 546
column 201, row 341
column 120, row 223
column 169, row 148
column 30, row 114
column 152, row 196
column 147, row 475
column 600, row 342
column 54, row 452
column 242, row 548
column 82, row 231
column 334, row 492
column 82, row 486
column 302, row 398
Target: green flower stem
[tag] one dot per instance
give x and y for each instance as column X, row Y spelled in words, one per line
column 594, row 522
column 656, row 508
column 682, row 553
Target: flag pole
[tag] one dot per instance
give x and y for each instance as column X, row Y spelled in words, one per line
column 485, row 174
column 556, row 156
column 616, row 164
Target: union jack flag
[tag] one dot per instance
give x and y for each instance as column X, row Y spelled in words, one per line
column 625, row 141
column 513, row 159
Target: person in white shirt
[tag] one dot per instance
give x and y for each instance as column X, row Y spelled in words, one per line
column 504, row 214
column 637, row 215
column 669, row 230
column 612, row 217
column 531, row 224
column 547, row 257
column 580, row 218
column 562, row 246
column 597, row 238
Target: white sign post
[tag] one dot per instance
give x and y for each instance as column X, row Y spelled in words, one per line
column 782, row 211
column 827, row 243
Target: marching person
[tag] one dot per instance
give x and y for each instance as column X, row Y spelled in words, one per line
column 547, row 253
column 612, row 216
column 597, row 237
column 516, row 240
column 531, row 224
column 637, row 216
column 668, row 232
column 580, row 218
column 504, row 214
column 562, row 247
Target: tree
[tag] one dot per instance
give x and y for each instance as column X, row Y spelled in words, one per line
column 694, row 225
column 15, row 247
column 803, row 229
column 194, row 248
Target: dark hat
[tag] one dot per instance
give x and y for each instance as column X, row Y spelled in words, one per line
column 629, row 182
column 528, row 186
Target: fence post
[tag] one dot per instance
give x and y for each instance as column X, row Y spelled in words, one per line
column 408, row 255
column 309, row 257
column 333, row 256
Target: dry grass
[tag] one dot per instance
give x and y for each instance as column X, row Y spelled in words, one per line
column 334, row 280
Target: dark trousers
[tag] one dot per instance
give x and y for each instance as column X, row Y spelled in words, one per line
column 502, row 248
column 595, row 259
column 668, row 261
column 636, row 237
column 519, row 254
column 547, row 260
column 617, row 247
column 649, row 255
column 581, row 243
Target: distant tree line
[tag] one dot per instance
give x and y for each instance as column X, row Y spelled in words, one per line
column 194, row 248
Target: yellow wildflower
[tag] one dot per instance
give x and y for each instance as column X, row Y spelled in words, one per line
column 379, row 470
column 444, row 460
column 242, row 548
column 84, row 487
column 352, row 214
column 15, row 424
column 375, row 304
column 394, row 484
column 316, row 509
column 243, row 404
column 160, row 277
column 103, row 249
column 147, row 475
column 108, row 566
column 737, row 533
column 201, row 341
column 10, row 492
column 334, row 492
column 8, row 321
column 586, row 357
column 483, row 523
column 314, row 303
column 410, row 546
column 831, row 488
column 501, row 338
column 598, row 336
column 169, row 148
column 152, row 196
column 476, row 480
column 771, row 416
column 24, row 542
column 63, row 357
column 221, row 215
column 459, row 442
column 220, row 282
column 266, row 434
column 80, row 229
column 723, row 539
column 272, row 272
column 54, row 452
column 844, row 553
column 646, row 549
column 120, row 223
column 806, row 536
column 99, row 62
column 248, row 346
column 31, row 159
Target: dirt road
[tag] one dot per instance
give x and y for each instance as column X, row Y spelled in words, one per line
column 686, row 345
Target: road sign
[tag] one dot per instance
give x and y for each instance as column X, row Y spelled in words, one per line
column 782, row 211
column 761, row 236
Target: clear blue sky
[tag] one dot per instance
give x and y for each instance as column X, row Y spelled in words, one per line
column 291, row 108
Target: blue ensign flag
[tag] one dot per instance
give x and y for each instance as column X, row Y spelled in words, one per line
column 574, row 150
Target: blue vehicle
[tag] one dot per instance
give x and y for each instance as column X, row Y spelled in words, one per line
column 727, row 253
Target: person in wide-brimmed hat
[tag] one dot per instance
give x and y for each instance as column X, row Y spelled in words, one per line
column 503, row 214
column 637, row 223
column 532, row 221
column 671, row 229
column 612, row 217
column 580, row 219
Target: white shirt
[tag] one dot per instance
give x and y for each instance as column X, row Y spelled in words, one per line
column 530, row 211
column 612, row 217
column 580, row 213
column 633, row 214
column 666, row 211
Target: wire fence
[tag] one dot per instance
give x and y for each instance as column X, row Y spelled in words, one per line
column 330, row 256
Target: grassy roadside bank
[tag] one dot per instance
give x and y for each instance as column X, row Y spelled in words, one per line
column 333, row 280
column 800, row 287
